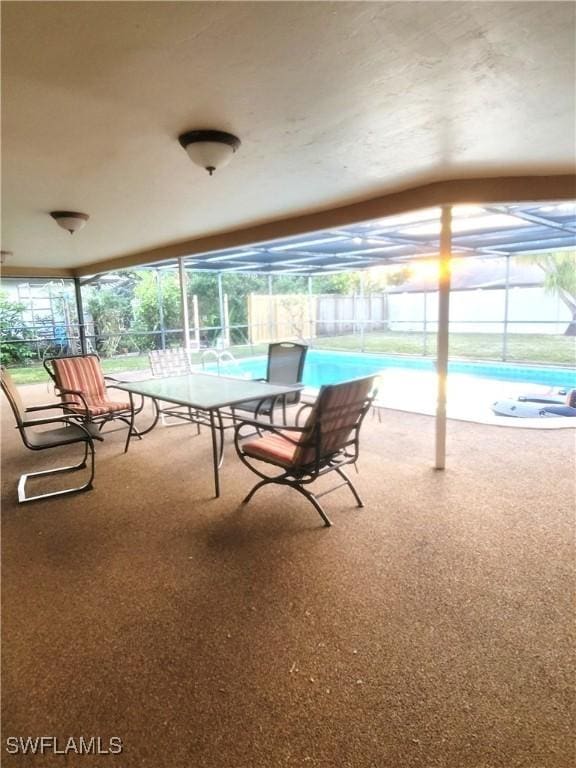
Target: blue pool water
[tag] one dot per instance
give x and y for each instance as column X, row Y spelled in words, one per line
column 332, row 367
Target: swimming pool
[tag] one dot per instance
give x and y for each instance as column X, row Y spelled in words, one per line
column 328, row 367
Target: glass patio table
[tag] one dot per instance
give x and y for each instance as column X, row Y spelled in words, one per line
column 206, row 393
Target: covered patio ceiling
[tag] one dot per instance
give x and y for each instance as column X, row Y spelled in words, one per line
column 346, row 112
column 488, row 231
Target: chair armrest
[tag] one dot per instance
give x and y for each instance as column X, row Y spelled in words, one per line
column 67, row 403
column 138, row 408
column 301, row 410
column 64, row 391
column 66, row 419
column 263, row 426
column 112, row 383
column 269, row 426
column 114, row 386
column 46, row 407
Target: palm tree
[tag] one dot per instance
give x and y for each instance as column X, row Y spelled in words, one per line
column 560, row 278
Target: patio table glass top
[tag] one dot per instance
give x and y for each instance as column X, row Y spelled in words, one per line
column 205, row 391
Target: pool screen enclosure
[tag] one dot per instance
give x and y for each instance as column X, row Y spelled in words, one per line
column 488, row 230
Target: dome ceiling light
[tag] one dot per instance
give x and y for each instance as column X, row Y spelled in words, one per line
column 72, row 221
column 209, row 149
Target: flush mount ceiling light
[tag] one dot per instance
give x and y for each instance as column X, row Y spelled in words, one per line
column 209, row 149
column 70, row 220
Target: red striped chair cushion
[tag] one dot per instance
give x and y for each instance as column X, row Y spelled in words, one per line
column 104, row 406
column 84, row 374
column 273, row 448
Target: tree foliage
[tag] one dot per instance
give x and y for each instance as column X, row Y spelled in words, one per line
column 125, row 306
column 156, row 305
column 559, row 279
column 110, row 305
column 14, row 332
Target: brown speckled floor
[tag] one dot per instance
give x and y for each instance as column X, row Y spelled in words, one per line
column 430, row 630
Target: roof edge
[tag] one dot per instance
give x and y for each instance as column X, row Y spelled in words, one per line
column 499, row 189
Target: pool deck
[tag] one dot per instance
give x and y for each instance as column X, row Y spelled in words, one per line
column 469, row 397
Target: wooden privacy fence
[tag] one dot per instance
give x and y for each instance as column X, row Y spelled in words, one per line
column 280, row 317
column 300, row 316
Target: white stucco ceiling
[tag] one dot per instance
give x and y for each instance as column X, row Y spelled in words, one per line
column 333, row 102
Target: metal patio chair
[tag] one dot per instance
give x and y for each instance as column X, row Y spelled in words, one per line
column 285, row 366
column 80, row 381
column 70, row 432
column 170, row 362
column 327, row 442
column 174, row 361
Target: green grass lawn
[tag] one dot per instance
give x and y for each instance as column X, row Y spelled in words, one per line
column 34, row 374
column 522, row 348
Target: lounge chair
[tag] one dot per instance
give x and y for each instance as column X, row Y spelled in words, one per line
column 69, row 432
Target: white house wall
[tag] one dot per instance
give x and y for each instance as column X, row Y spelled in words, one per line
column 530, row 310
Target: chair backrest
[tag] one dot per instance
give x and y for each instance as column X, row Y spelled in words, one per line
column 78, row 372
column 13, row 397
column 286, row 362
column 170, row 362
column 335, row 419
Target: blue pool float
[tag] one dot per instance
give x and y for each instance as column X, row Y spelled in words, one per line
column 538, row 406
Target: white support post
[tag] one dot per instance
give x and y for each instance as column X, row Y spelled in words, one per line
column 221, row 307
column 361, row 313
column 196, row 315
column 425, row 324
column 311, row 309
column 226, row 323
column 184, row 303
column 160, row 297
column 506, row 310
column 270, row 308
column 443, row 333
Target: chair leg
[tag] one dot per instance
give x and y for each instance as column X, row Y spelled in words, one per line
column 307, row 494
column 348, row 482
column 257, row 487
column 87, row 486
column 314, row 501
column 133, row 430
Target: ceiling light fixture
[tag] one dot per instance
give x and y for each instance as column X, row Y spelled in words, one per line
column 209, row 149
column 72, row 221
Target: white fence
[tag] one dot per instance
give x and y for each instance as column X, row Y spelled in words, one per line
column 530, row 310
column 336, row 314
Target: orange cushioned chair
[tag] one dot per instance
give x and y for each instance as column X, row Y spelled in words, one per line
column 80, row 382
column 326, row 443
